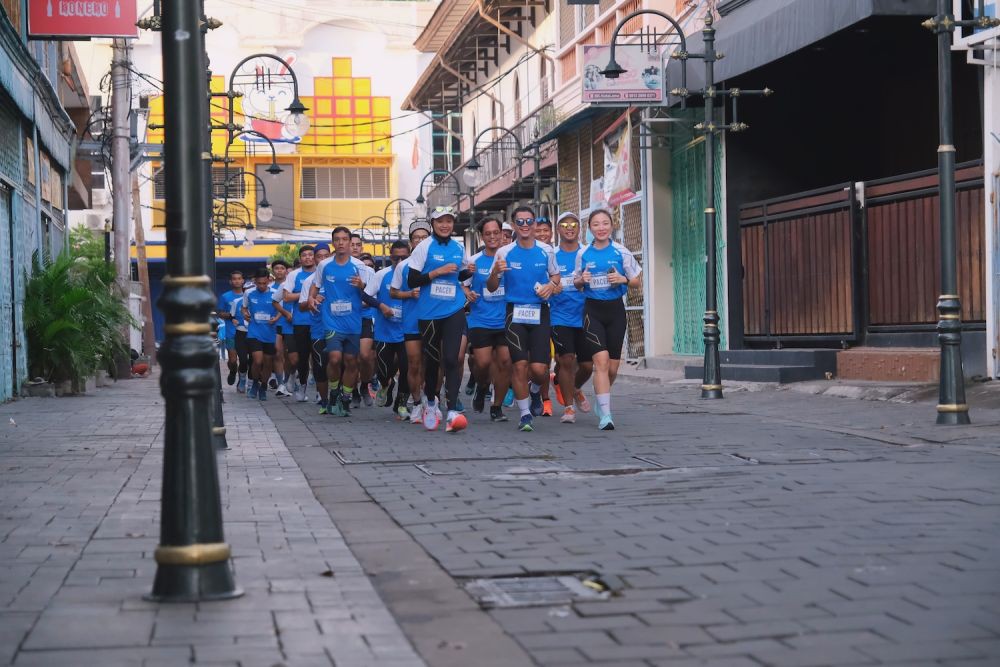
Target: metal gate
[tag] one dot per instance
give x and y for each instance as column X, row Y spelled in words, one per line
column 631, row 237
column 7, row 320
column 687, row 169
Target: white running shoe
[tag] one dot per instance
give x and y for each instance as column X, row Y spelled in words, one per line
column 282, row 391
column 300, row 394
column 417, row 413
column 432, row 416
column 569, row 415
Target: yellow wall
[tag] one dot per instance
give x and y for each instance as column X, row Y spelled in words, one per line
column 349, row 126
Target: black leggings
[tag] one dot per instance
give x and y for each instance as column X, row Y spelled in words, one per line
column 442, row 343
column 303, row 344
column 604, row 324
column 242, row 351
column 390, row 358
column 318, row 358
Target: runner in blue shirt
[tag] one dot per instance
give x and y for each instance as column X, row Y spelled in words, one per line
column 438, row 266
column 262, row 313
column 317, row 335
column 528, row 272
column 605, row 271
column 343, row 278
column 488, row 325
column 390, row 350
column 298, row 351
column 399, row 289
column 285, row 338
column 229, row 310
column 366, row 362
column 573, row 361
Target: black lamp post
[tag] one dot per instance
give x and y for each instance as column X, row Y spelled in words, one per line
column 952, row 408
column 421, row 203
column 192, row 558
column 385, row 213
column 711, row 386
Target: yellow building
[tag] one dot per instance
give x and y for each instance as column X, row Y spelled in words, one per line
column 340, row 172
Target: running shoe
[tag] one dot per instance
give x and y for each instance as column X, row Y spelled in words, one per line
column 525, row 423
column 272, row 383
column 546, row 408
column 366, row 397
column 432, row 416
column 536, row 404
column 323, row 408
column 606, row 423
column 581, row 401
column 345, row 406
column 241, row 386
column 459, row 406
column 300, row 395
column 252, row 391
column 381, row 395
column 470, row 386
column 231, row 378
column 373, row 386
column 479, row 400
column 554, row 381
column 568, row 416
column 417, row 414
column 496, row 414
column 402, row 413
column 508, row 398
column 282, row 391
column 456, row 422
column 334, row 409
column 262, row 393
column 355, row 400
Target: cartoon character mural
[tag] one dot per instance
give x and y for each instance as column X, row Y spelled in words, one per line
column 267, row 92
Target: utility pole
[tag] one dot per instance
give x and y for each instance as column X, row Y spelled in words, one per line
column 121, row 189
column 148, row 335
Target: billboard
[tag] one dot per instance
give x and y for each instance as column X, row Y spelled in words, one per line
column 642, row 83
column 55, row 19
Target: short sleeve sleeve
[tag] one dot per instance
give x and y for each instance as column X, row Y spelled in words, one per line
column 629, row 265
column 419, row 256
column 306, row 287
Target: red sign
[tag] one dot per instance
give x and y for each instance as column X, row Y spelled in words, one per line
column 82, row 18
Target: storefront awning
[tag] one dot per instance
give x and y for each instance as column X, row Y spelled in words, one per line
column 757, row 32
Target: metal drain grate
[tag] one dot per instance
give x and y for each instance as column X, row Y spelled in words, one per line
column 531, row 591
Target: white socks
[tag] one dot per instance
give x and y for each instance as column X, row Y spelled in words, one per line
column 604, row 402
column 524, row 405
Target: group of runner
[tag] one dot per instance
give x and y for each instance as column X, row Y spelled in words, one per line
column 399, row 336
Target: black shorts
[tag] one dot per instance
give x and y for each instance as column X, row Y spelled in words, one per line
column 492, row 338
column 254, row 345
column 414, row 336
column 317, row 358
column 570, row 340
column 289, row 341
column 367, row 328
column 529, row 342
column 604, row 326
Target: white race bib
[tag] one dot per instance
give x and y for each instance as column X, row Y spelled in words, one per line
column 340, row 307
column 527, row 314
column 261, row 317
column 599, row 281
column 397, row 315
column 499, row 295
column 444, row 290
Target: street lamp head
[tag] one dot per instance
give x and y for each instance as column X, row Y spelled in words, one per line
column 471, row 175
column 274, row 169
column 420, row 209
column 613, row 70
column 297, row 123
column 264, row 212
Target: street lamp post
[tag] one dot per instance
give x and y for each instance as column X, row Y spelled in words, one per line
column 952, row 408
column 711, row 386
column 385, row 213
column 192, row 558
column 421, row 204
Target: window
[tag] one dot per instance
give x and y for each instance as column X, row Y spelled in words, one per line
column 236, row 180
column 345, row 183
column 159, row 183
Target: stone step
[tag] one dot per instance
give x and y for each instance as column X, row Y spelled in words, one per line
column 889, row 364
column 780, row 374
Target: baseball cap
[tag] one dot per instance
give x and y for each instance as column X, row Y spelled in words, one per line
column 506, row 227
column 420, row 224
column 567, row 214
column 442, row 211
column 321, row 246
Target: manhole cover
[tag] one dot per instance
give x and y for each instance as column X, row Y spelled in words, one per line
column 532, row 591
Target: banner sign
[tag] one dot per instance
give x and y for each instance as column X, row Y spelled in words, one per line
column 82, row 18
column 642, row 82
column 618, row 163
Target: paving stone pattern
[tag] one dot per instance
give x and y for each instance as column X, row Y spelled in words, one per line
column 79, row 508
column 770, row 528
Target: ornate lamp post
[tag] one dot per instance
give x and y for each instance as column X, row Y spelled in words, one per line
column 711, row 386
column 193, row 557
column 952, row 408
column 420, row 209
column 385, row 213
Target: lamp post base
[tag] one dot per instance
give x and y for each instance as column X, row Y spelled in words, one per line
column 953, row 418
column 711, row 391
column 194, row 583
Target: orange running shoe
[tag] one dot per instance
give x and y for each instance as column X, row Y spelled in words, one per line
column 559, row 394
column 546, row 408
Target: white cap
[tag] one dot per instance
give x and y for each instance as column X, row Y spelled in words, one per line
column 419, row 224
column 567, row 214
column 441, row 212
column 506, row 227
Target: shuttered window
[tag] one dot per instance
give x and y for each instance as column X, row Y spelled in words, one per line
column 345, row 183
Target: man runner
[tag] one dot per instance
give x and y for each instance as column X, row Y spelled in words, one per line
column 262, row 312
column 291, row 291
column 390, row 350
column 230, row 309
column 419, row 231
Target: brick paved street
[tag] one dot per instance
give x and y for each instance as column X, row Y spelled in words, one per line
column 772, row 528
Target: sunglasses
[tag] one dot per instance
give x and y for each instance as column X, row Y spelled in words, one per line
column 444, row 209
column 569, row 225
column 521, row 222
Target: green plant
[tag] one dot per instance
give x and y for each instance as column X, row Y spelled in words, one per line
column 288, row 252
column 75, row 319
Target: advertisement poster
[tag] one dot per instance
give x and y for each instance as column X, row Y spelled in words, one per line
column 642, row 81
column 82, row 18
column 618, row 163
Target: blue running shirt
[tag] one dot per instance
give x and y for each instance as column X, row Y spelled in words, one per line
column 527, row 267
column 262, row 310
column 599, row 262
column 293, row 285
column 566, row 308
column 316, row 330
column 411, row 323
column 444, row 296
column 489, row 311
column 342, row 305
column 387, row 329
column 232, row 303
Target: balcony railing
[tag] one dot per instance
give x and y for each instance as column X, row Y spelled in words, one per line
column 498, row 158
